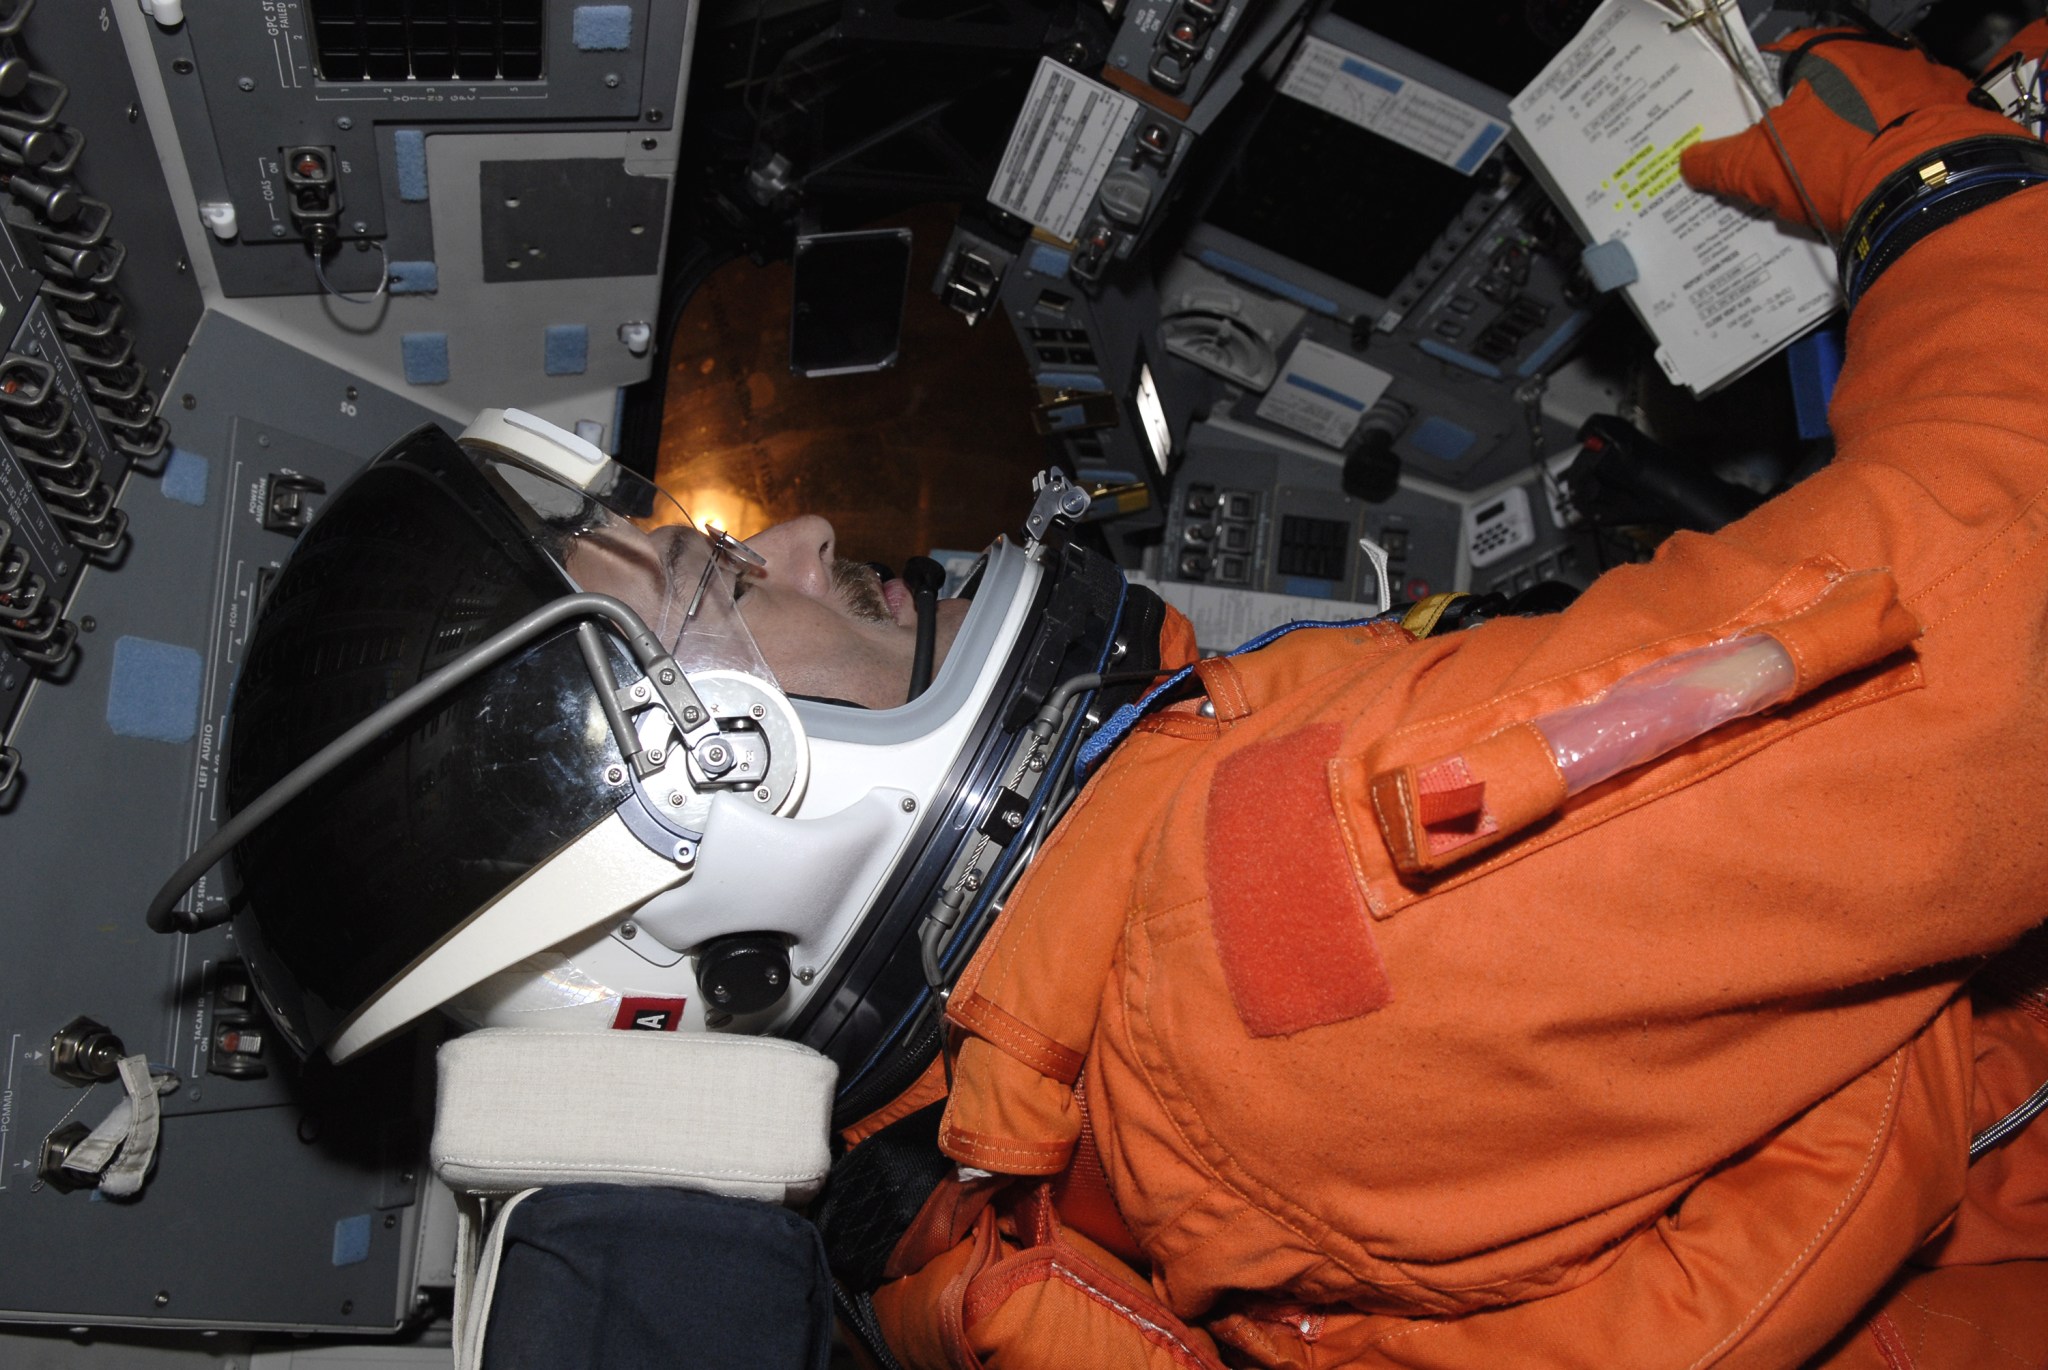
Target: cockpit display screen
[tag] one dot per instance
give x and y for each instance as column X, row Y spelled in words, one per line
column 1503, row 46
column 1339, row 200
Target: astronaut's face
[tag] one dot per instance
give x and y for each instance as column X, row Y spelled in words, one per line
column 826, row 627
column 832, row 628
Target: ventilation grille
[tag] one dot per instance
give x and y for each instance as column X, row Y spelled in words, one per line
column 428, row 40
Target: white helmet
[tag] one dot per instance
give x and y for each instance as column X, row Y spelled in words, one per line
column 745, row 861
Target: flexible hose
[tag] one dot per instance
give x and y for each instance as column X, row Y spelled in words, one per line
column 923, row 577
column 646, row 651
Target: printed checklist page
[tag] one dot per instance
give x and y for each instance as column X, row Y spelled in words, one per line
column 1720, row 287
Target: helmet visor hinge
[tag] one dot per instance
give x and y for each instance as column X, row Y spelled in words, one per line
column 664, row 686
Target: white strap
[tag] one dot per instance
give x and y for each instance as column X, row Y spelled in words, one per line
column 120, row 1150
column 469, row 1215
column 477, row 1283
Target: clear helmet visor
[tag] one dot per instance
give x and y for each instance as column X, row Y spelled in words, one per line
column 613, row 532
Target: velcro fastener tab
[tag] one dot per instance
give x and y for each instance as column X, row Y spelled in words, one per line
column 1014, row 1037
column 1444, row 810
column 1446, row 793
column 1858, row 622
column 1224, row 685
column 1292, row 934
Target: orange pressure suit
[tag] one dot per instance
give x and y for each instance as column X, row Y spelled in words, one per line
column 1390, row 1054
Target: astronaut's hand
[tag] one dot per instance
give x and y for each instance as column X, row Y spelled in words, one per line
column 1859, row 109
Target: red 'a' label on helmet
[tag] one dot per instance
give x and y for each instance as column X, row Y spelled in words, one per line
column 649, row 1015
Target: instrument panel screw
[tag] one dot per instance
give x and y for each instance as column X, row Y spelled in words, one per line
column 758, row 711
column 629, row 931
column 909, row 804
column 614, row 774
column 163, row 1297
column 762, row 794
column 245, row 83
column 668, row 677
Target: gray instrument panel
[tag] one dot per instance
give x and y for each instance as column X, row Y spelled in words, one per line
column 286, row 1200
column 246, row 83
column 97, row 304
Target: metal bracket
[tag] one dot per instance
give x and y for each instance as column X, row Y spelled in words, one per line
column 1058, row 500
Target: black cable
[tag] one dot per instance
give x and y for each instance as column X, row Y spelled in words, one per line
column 645, row 648
column 923, row 577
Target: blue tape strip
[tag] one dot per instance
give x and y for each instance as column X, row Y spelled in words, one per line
column 184, row 478
column 414, row 278
column 1566, row 331
column 1318, row 388
column 1443, row 352
column 352, row 1240
column 1049, row 261
column 1385, row 80
column 153, row 690
column 1481, row 145
column 426, row 358
column 1070, row 380
column 565, row 349
column 1266, row 280
column 601, row 28
column 1442, row 439
column 409, row 158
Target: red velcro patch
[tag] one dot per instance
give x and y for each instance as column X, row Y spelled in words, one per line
column 649, row 1015
column 1291, row 931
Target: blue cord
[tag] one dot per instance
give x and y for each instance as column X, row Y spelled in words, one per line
column 1123, row 720
column 1969, row 180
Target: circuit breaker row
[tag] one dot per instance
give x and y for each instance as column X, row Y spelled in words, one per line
column 77, row 411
